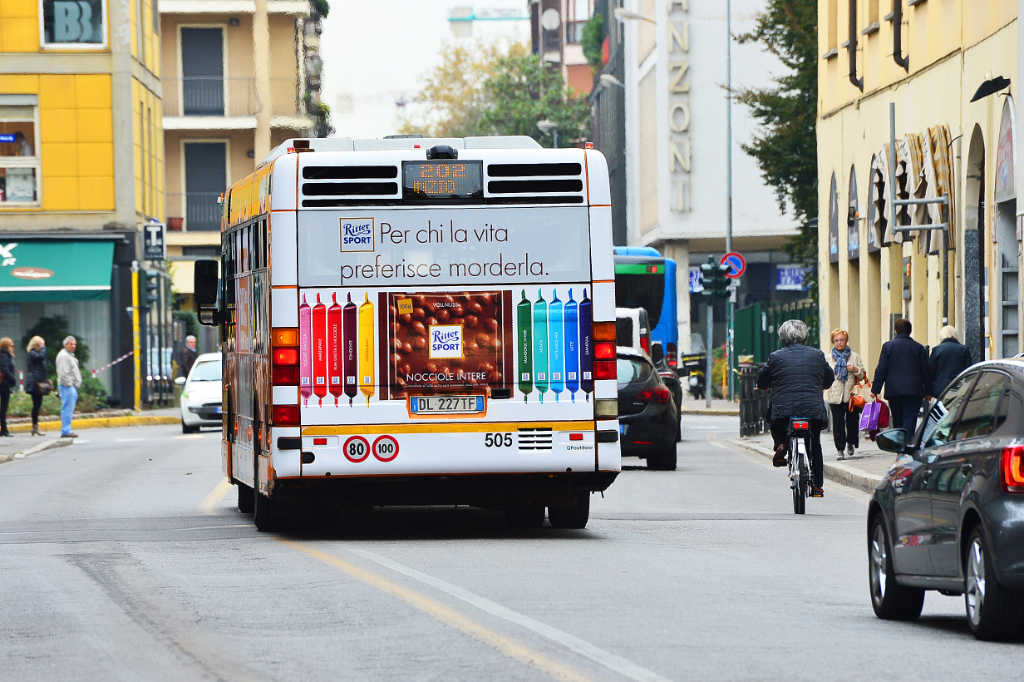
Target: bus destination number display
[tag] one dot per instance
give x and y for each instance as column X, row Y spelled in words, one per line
column 442, row 179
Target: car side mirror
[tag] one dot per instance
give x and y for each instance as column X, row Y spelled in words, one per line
column 180, row 381
column 206, row 285
column 892, row 440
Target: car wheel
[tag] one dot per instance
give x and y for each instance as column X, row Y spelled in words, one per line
column 663, row 460
column 185, row 428
column 993, row 612
column 572, row 511
column 524, row 514
column 245, row 498
column 890, row 600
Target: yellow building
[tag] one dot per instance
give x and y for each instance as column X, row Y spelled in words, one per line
column 928, row 58
column 235, row 81
column 81, row 164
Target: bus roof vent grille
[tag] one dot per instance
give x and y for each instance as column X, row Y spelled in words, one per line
column 536, row 182
column 338, row 185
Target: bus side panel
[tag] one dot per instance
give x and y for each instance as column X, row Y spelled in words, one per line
column 602, row 261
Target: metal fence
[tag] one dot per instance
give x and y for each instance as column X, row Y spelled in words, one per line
column 754, row 403
column 757, row 327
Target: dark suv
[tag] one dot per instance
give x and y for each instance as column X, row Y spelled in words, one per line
column 949, row 515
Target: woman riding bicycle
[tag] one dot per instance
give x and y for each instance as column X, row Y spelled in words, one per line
column 797, row 374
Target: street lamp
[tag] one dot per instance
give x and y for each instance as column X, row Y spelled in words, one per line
column 607, row 79
column 545, row 126
column 623, row 14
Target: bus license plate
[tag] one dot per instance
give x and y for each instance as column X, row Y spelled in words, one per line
column 446, row 404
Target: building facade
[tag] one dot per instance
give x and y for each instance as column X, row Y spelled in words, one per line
column 239, row 78
column 929, row 60
column 675, row 57
column 556, row 32
column 81, row 168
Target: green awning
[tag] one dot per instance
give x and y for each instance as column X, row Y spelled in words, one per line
column 55, row 270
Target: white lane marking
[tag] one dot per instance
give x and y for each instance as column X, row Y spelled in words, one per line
column 129, row 440
column 704, row 428
column 579, row 646
column 230, row 525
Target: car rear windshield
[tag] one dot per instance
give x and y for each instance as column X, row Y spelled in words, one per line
column 632, row 370
column 205, row 371
column 623, row 331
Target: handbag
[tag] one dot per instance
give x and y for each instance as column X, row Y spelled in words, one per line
column 869, row 417
column 44, row 387
column 857, row 401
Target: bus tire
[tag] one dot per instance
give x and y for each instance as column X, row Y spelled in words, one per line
column 524, row 514
column 572, row 511
column 264, row 512
column 245, row 498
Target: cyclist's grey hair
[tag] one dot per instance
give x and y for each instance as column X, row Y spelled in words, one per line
column 792, row 331
column 948, row 332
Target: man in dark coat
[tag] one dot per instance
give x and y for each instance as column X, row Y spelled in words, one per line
column 797, row 374
column 188, row 355
column 903, row 371
column 948, row 359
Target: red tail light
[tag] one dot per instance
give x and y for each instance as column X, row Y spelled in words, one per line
column 285, row 415
column 285, row 376
column 1013, row 469
column 645, row 343
column 801, row 426
column 604, row 369
column 575, row 436
column 286, row 356
column 604, row 350
column 658, row 394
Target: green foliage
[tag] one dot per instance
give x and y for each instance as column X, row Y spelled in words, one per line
column 92, row 393
column 487, row 90
column 592, row 39
column 53, row 330
column 718, row 367
column 786, row 147
column 21, row 404
column 321, row 7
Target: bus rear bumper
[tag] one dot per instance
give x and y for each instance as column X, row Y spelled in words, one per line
column 480, row 490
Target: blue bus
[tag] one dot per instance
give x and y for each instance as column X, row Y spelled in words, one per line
column 646, row 279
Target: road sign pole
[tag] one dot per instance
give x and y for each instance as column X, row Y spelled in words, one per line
column 710, row 347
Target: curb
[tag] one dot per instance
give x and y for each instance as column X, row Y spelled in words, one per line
column 38, row 447
column 714, row 413
column 100, row 422
column 836, row 473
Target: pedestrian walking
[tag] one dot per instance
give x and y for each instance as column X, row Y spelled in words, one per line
column 948, row 359
column 69, row 378
column 38, row 381
column 903, row 372
column 6, row 381
column 188, row 355
column 849, row 370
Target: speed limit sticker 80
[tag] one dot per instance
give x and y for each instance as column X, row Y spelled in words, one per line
column 356, row 449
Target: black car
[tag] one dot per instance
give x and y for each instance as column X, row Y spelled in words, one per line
column 670, row 378
column 949, row 515
column 648, row 421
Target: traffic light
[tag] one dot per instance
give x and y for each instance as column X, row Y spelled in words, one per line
column 152, row 286
column 714, row 281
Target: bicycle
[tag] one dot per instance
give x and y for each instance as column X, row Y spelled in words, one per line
column 798, row 436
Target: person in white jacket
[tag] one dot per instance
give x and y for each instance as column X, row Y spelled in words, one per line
column 849, row 369
column 69, row 378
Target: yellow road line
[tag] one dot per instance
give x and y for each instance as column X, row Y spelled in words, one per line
column 447, row 615
column 214, row 497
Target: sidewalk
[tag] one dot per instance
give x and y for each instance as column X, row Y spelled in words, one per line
column 718, row 406
column 863, row 471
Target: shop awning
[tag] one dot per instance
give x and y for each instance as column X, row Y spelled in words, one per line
column 55, row 270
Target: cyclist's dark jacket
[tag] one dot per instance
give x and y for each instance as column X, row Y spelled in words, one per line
column 797, row 375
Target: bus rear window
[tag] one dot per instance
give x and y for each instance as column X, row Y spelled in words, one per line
column 641, row 291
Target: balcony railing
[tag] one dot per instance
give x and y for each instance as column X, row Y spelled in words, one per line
column 202, row 212
column 216, row 96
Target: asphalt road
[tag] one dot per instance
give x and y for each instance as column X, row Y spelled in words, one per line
column 122, row 557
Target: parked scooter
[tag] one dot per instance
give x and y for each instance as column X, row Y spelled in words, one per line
column 693, row 371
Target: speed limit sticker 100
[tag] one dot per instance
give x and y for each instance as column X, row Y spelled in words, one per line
column 385, row 448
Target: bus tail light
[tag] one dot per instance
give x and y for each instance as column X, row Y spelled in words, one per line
column 284, row 359
column 285, row 336
column 604, row 331
column 606, row 408
column 604, row 369
column 1013, row 469
column 285, row 376
column 285, row 415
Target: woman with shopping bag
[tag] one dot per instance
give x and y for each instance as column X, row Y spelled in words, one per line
column 844, row 401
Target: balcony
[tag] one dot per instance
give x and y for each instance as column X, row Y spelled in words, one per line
column 297, row 7
column 216, row 103
column 202, row 212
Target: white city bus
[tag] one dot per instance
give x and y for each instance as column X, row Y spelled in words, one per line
column 418, row 321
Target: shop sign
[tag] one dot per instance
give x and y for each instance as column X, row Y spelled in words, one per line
column 31, row 273
column 73, row 22
column 790, row 277
column 7, row 254
column 696, row 285
column 679, row 106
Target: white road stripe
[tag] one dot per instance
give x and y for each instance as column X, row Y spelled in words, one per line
column 129, row 440
column 607, row 659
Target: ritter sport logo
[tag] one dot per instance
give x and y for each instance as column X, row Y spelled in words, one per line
column 445, row 341
column 357, row 234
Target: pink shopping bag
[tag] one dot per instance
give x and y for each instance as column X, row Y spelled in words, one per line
column 869, row 417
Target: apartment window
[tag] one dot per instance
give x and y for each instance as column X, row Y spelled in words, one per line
column 19, row 150
column 74, row 23
column 872, row 12
column 833, row 29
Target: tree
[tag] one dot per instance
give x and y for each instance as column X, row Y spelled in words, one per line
column 786, row 147
column 497, row 91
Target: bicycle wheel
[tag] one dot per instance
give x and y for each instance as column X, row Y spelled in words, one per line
column 800, row 479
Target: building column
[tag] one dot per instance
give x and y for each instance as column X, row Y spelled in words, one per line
column 261, row 63
column 679, row 251
column 123, row 115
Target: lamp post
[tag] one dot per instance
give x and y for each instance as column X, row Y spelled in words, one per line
column 731, row 306
column 545, row 126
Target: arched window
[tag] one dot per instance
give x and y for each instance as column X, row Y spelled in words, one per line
column 875, row 223
column 833, row 222
column 853, row 218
